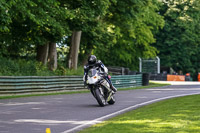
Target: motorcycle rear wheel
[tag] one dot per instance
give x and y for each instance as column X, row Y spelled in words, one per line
column 100, row 98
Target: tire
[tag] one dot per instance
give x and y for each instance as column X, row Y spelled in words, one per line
column 112, row 100
column 100, row 98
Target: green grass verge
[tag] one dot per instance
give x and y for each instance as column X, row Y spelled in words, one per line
column 151, row 85
column 178, row 115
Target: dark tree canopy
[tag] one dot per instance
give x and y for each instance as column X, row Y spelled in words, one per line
column 117, row 31
column 179, row 41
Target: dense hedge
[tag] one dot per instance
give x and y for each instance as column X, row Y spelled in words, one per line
column 23, row 67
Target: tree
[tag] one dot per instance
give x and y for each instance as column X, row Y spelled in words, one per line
column 52, row 57
column 74, row 49
column 86, row 12
column 32, row 24
column 120, row 30
column 42, row 53
column 132, row 23
column 5, row 18
column 178, row 42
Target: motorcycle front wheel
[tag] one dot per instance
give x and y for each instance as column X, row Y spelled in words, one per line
column 100, row 98
column 112, row 100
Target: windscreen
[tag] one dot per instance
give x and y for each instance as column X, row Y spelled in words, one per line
column 92, row 72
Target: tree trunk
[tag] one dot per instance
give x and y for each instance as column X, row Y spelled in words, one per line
column 85, row 60
column 52, row 57
column 74, row 49
column 42, row 53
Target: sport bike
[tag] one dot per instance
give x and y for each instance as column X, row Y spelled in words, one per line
column 99, row 87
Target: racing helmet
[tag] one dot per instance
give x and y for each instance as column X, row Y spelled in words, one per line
column 92, row 59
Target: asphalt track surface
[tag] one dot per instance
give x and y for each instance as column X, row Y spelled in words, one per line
column 72, row 113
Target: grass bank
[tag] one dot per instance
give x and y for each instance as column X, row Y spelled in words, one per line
column 151, row 85
column 178, row 115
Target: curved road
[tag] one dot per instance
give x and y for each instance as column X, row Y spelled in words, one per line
column 71, row 113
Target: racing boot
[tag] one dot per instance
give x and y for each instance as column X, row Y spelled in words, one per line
column 113, row 88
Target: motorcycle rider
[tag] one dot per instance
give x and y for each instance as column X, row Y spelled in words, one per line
column 93, row 62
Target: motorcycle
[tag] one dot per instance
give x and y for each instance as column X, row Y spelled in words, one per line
column 99, row 87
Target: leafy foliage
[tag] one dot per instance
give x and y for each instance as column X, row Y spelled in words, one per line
column 22, row 67
column 132, row 24
column 117, row 31
column 87, row 18
column 179, row 40
column 31, row 23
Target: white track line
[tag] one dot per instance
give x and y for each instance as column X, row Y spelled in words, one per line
column 100, row 119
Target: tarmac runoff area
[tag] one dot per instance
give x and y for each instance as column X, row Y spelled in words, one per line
column 72, row 113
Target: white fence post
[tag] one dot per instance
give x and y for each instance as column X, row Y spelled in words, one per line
column 158, row 64
column 140, row 65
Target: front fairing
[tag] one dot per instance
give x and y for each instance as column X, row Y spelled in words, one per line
column 93, row 76
column 93, row 80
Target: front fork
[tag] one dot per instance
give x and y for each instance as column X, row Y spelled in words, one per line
column 107, row 97
column 92, row 90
